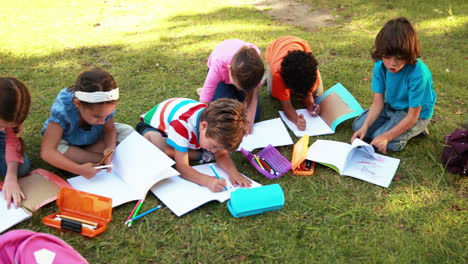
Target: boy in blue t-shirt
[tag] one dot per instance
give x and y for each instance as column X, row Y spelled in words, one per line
column 404, row 95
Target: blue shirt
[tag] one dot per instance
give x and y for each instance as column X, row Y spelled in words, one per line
column 410, row 87
column 65, row 114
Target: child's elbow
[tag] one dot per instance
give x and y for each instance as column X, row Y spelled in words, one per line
column 45, row 154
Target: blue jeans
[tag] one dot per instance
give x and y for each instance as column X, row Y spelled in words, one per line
column 23, row 169
column 224, row 90
column 387, row 119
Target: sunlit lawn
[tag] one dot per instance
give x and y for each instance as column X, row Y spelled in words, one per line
column 158, row 49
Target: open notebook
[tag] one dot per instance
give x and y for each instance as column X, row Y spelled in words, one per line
column 357, row 160
column 336, row 105
column 182, row 196
column 268, row 132
column 137, row 166
column 40, row 188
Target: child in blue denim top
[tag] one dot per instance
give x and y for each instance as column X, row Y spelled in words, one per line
column 404, row 95
column 81, row 130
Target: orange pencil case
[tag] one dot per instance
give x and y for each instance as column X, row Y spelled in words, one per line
column 81, row 212
column 301, row 166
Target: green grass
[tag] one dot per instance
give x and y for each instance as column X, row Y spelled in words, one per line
column 158, row 49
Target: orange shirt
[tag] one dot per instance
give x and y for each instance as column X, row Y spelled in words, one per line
column 274, row 54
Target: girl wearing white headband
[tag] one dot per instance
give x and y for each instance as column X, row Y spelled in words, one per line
column 81, row 131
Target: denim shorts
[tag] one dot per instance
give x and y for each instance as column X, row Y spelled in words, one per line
column 144, row 128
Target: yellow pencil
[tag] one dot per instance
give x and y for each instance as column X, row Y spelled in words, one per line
column 258, row 161
column 78, row 219
column 104, row 159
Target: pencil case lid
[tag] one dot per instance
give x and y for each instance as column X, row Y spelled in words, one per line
column 299, row 155
column 245, row 202
column 85, row 205
column 279, row 163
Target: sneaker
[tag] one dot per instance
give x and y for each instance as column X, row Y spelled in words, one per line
column 425, row 132
column 207, row 156
column 199, row 90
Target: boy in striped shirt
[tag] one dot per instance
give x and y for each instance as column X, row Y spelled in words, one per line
column 183, row 127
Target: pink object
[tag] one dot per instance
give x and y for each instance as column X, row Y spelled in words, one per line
column 26, row 247
column 134, row 208
column 13, row 146
column 218, row 63
column 274, row 159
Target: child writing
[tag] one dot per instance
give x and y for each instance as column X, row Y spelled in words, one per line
column 235, row 70
column 181, row 127
column 14, row 108
column 292, row 70
column 404, row 95
column 81, row 130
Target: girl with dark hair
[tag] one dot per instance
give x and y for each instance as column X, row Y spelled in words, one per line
column 81, row 129
column 14, row 108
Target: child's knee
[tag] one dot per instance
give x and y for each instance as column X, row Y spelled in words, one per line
column 123, row 130
column 396, row 145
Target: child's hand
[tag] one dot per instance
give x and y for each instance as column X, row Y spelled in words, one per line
column 249, row 129
column 88, row 171
column 12, row 193
column 314, row 110
column 361, row 134
column 216, row 185
column 108, row 152
column 301, row 122
column 239, row 180
column 380, row 143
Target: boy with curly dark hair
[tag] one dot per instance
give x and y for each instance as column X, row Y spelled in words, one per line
column 292, row 70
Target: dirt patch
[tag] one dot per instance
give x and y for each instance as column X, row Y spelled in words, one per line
column 295, row 13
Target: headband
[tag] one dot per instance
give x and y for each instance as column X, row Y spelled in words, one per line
column 97, row 97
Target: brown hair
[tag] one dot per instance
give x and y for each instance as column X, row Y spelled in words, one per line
column 15, row 101
column 247, row 69
column 397, row 38
column 227, row 122
column 94, row 80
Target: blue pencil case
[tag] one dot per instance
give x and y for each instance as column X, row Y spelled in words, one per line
column 245, row 202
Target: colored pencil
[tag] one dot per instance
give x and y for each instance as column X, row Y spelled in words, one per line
column 145, row 213
column 129, row 223
column 216, row 173
column 258, row 161
column 78, row 220
column 105, row 157
column 268, row 167
column 133, row 211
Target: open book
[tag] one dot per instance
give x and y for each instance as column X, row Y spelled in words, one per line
column 357, row 160
column 265, row 133
column 182, row 196
column 137, row 166
column 40, row 188
column 336, row 105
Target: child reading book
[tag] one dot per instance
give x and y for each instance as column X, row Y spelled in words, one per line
column 292, row 70
column 235, row 70
column 404, row 95
column 14, row 108
column 81, row 131
column 181, row 127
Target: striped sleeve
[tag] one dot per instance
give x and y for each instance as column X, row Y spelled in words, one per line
column 178, row 136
